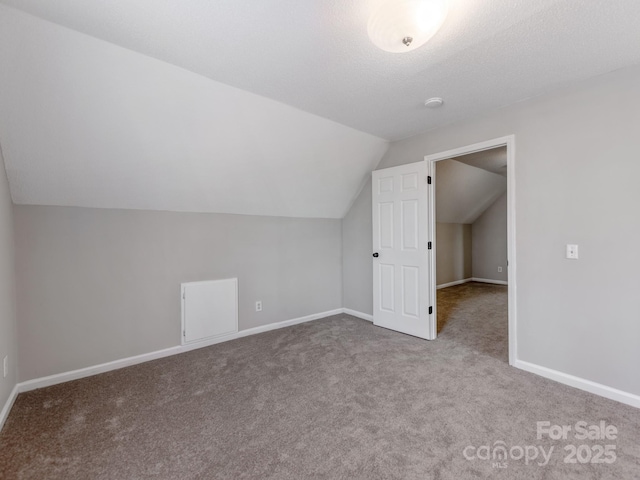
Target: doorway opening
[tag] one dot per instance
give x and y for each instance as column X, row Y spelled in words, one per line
column 472, row 226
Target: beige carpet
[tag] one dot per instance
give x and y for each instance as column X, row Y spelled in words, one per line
column 332, row 399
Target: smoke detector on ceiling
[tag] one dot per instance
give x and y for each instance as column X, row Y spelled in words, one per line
column 434, row 102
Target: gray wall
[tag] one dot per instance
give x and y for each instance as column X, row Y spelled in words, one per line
column 357, row 248
column 453, row 252
column 96, row 285
column 489, row 242
column 8, row 340
column 577, row 173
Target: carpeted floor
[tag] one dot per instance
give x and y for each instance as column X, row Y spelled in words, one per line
column 331, row 399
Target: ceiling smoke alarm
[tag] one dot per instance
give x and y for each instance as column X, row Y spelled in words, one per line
column 434, row 102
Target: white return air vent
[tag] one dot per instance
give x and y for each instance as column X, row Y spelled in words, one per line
column 209, row 309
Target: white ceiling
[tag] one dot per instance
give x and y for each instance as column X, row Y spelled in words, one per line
column 493, row 160
column 260, row 107
column 464, row 192
column 86, row 123
column 316, row 56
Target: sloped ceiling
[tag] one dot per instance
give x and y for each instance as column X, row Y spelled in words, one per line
column 269, row 107
column 464, row 192
column 493, row 160
column 316, row 55
column 86, row 123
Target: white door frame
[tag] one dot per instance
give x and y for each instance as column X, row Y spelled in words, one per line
column 509, row 142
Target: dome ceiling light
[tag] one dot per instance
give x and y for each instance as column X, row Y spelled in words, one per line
column 404, row 25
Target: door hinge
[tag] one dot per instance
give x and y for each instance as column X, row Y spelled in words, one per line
column 184, row 333
column 184, row 295
column 430, row 310
column 429, row 179
column 429, row 245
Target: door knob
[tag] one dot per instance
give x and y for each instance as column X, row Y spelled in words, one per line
column 375, row 255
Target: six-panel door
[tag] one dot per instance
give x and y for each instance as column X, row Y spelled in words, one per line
column 400, row 269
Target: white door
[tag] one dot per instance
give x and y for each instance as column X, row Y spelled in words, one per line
column 401, row 289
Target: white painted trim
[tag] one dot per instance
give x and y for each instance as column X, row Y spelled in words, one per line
column 8, row 404
column 471, row 279
column 355, row 313
column 431, row 235
column 453, row 284
column 146, row 357
column 511, row 248
column 581, row 383
column 488, row 280
column 476, row 147
column 510, row 142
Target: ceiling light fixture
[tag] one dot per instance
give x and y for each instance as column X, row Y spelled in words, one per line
column 404, row 25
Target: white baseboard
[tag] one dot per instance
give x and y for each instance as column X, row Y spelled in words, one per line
column 571, row 380
column 355, row 313
column 488, row 280
column 471, row 279
column 581, row 383
column 146, row 357
column 451, row 284
column 8, row 404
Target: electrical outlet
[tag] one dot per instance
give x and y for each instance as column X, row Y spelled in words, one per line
column 259, row 306
column 499, row 269
column 5, row 366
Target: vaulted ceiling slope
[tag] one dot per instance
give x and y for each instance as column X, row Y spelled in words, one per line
column 87, row 123
column 316, row 55
column 260, row 107
column 493, row 160
column 464, row 192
